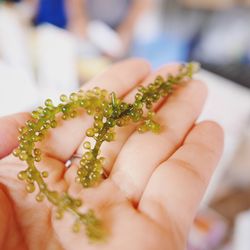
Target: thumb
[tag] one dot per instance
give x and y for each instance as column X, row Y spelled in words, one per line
column 9, row 132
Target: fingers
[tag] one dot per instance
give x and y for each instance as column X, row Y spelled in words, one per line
column 63, row 141
column 176, row 187
column 112, row 149
column 142, row 153
column 122, row 77
column 9, row 132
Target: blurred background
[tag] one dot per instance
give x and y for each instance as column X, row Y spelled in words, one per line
column 50, row 47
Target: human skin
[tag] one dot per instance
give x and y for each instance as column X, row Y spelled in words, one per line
column 78, row 19
column 155, row 182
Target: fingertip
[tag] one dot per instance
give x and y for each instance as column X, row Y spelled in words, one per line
column 210, row 132
column 136, row 67
column 122, row 76
column 216, row 128
column 136, row 62
column 172, row 65
column 210, row 126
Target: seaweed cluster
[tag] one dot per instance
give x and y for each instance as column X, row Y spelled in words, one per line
column 108, row 112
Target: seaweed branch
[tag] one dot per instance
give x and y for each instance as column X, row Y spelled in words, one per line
column 108, row 112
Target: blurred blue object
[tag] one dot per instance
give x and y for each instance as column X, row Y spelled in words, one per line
column 162, row 50
column 51, row 11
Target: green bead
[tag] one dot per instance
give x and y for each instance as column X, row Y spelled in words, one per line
column 40, row 110
column 42, row 186
column 123, row 106
column 20, row 130
column 22, row 175
column 22, row 145
column 35, row 114
column 73, row 114
column 97, row 91
column 46, row 111
column 82, row 103
column 64, row 117
column 142, row 90
column 151, row 86
column 48, row 102
column 90, row 132
column 120, row 122
column 104, row 92
column 151, row 114
column 30, row 124
column 98, row 117
column 30, row 188
column 142, row 129
column 87, row 166
column 89, row 93
column 65, row 109
column 149, row 105
column 37, row 151
column 45, row 126
column 78, row 203
column 40, row 197
column 63, row 98
column 111, row 122
column 86, row 184
column 87, row 145
column 138, row 97
column 109, row 137
column 156, row 96
column 45, row 174
column 53, row 124
column 81, row 172
column 23, row 156
column 98, row 124
column 37, row 158
column 107, row 112
column 88, row 156
column 102, row 160
column 16, row 152
column 155, row 128
column 138, row 105
column 83, row 162
column 73, row 97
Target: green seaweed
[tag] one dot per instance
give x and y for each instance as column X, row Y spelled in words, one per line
column 108, row 111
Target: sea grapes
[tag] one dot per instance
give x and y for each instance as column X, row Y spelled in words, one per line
column 108, row 111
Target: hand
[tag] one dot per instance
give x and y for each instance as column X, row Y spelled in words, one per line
column 155, row 182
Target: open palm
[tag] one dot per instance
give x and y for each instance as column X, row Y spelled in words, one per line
column 155, row 182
